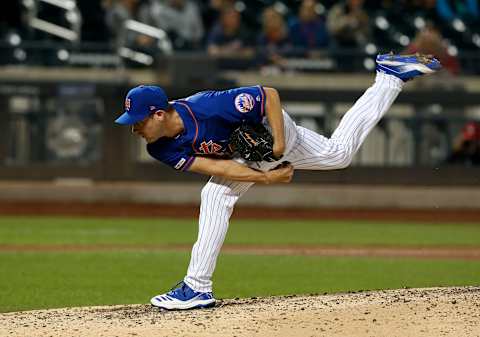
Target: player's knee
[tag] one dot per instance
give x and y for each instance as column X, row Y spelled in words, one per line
column 345, row 160
column 340, row 154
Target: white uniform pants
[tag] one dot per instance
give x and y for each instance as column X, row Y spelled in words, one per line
column 305, row 150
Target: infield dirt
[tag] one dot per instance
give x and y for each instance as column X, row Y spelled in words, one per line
column 428, row 312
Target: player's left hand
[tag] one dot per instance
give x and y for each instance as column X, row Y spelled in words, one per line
column 253, row 143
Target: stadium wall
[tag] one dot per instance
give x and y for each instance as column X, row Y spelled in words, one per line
column 293, row 195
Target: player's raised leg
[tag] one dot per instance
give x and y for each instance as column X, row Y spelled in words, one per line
column 218, row 198
column 316, row 152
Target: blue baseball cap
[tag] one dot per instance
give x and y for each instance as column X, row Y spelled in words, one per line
column 140, row 102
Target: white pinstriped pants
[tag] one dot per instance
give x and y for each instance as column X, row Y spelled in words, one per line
column 305, row 150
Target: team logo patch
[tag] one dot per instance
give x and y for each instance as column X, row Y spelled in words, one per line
column 210, row 147
column 127, row 104
column 244, row 103
column 152, row 107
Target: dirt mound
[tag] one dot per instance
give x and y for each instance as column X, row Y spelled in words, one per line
column 405, row 312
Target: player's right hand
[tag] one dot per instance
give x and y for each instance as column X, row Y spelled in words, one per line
column 283, row 173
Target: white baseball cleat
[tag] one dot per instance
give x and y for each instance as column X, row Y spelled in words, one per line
column 183, row 297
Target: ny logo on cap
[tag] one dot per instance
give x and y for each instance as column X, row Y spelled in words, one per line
column 127, row 104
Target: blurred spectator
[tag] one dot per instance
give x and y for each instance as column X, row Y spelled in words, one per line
column 116, row 13
column 228, row 36
column 308, row 31
column 211, row 13
column 430, row 41
column 466, row 10
column 348, row 24
column 274, row 43
column 179, row 18
column 466, row 149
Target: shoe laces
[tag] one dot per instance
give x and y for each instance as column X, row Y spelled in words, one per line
column 180, row 286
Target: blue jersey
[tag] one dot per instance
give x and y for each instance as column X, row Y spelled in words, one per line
column 209, row 117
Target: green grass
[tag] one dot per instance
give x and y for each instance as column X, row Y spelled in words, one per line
column 50, row 280
column 31, row 280
column 43, row 230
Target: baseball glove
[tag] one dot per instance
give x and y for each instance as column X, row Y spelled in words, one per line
column 253, row 143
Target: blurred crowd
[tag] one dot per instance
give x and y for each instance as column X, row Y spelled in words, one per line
column 273, row 31
column 466, row 146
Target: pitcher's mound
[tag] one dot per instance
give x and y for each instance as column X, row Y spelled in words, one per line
column 407, row 312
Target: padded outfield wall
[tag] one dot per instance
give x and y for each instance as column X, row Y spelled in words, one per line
column 108, row 165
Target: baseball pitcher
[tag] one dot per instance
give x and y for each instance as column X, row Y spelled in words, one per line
column 242, row 136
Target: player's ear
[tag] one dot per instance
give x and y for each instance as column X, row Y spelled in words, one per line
column 159, row 114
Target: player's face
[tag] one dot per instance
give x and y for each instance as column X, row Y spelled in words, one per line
column 149, row 129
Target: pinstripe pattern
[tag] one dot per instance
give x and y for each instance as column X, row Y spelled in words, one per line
column 306, row 150
column 217, row 200
column 316, row 152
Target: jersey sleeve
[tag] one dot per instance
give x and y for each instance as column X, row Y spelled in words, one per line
column 178, row 159
column 244, row 104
